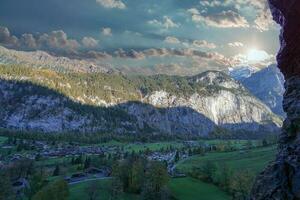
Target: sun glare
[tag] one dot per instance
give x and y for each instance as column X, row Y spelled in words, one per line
column 255, row 55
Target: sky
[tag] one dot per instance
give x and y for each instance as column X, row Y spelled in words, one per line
column 145, row 36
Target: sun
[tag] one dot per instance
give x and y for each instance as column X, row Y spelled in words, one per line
column 255, row 55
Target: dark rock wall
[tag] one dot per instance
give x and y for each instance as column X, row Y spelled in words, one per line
column 281, row 179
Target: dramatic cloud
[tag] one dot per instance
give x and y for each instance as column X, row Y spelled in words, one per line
column 224, row 19
column 28, row 41
column 255, row 58
column 164, row 52
column 112, row 4
column 89, row 42
column 235, row 44
column 7, row 39
column 263, row 19
column 106, row 31
column 56, row 41
column 204, row 44
column 172, row 40
column 166, row 23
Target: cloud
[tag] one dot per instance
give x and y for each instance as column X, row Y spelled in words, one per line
column 28, row 41
column 204, row 44
column 57, row 40
column 112, row 4
column 256, row 58
column 96, row 55
column 213, row 3
column 264, row 21
column 172, row 40
column 224, row 19
column 235, row 44
column 259, row 8
column 164, row 52
column 89, row 42
column 129, row 54
column 7, row 39
column 166, row 23
column 106, row 31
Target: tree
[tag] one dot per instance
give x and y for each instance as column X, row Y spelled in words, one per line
column 208, row 171
column 156, row 178
column 241, row 184
column 58, row 190
column 56, row 171
column 87, row 163
column 224, row 176
column 265, row 142
column 176, row 159
column 136, row 177
column 36, row 183
column 93, row 191
column 249, row 144
column 6, row 190
column 116, row 189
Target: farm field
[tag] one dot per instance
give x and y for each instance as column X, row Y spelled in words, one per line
column 181, row 189
column 191, row 189
column 253, row 160
column 79, row 191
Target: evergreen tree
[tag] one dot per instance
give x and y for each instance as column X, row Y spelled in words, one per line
column 177, row 157
column 56, row 171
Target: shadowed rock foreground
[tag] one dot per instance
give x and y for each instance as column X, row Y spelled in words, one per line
column 281, row 179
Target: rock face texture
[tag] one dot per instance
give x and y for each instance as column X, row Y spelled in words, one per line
column 45, row 101
column 281, row 179
column 268, row 86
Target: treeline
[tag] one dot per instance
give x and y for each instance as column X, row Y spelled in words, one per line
column 108, row 87
column 97, row 137
column 93, row 138
column 237, row 183
column 137, row 175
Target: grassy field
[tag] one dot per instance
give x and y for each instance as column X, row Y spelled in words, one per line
column 181, row 189
column 254, row 160
column 192, row 189
column 2, row 139
column 238, row 144
column 79, row 191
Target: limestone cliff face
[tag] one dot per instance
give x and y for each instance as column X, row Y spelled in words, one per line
column 281, row 179
column 174, row 105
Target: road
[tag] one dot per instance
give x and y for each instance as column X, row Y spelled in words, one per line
column 89, row 179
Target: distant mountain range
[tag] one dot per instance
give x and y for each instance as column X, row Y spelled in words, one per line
column 266, row 84
column 42, row 59
column 51, row 97
column 241, row 73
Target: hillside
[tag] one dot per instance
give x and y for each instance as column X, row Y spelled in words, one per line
column 268, row 85
column 52, row 101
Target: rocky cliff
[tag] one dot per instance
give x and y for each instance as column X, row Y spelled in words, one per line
column 51, row 101
column 267, row 85
column 281, row 179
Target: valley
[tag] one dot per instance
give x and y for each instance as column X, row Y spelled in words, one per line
column 184, row 161
column 89, row 135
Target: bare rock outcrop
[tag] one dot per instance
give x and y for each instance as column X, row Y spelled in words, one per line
column 281, row 179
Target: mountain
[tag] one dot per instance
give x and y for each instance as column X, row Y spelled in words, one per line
column 52, row 101
column 42, row 59
column 267, row 85
column 241, row 73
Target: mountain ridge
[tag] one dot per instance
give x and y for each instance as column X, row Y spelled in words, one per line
column 167, row 104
